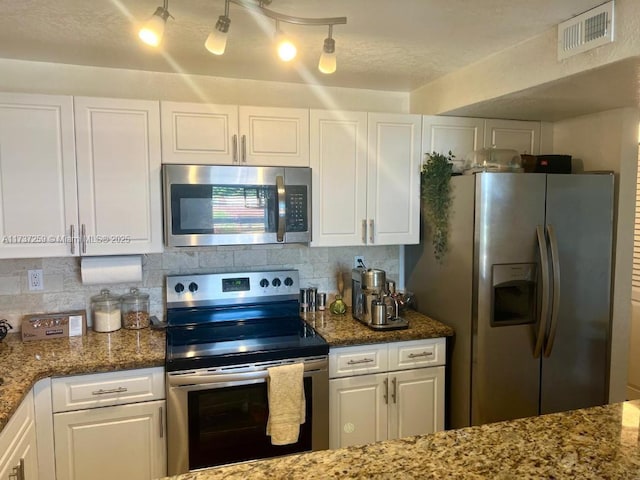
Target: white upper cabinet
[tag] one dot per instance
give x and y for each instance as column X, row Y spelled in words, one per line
column 393, row 191
column 514, row 134
column 78, row 176
column 197, row 133
column 118, row 160
column 338, row 160
column 366, row 178
column 38, row 202
column 274, row 136
column 457, row 135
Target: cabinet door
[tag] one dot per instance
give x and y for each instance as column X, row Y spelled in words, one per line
column 357, row 410
column 125, row 441
column 199, row 133
column 23, row 462
column 118, row 150
column 515, row 134
column 393, row 187
column 416, row 402
column 274, row 136
column 457, row 135
column 18, row 451
column 338, row 160
column 38, row 203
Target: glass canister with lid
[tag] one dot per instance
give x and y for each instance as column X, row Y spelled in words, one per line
column 106, row 312
column 135, row 310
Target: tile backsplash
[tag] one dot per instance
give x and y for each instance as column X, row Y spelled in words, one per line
column 63, row 288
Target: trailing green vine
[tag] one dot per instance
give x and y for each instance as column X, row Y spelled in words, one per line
column 436, row 198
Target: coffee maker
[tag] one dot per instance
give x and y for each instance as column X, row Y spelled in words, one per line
column 371, row 302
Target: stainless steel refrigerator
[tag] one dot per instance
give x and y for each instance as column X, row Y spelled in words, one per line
column 526, row 284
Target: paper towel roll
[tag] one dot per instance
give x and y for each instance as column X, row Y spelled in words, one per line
column 99, row 270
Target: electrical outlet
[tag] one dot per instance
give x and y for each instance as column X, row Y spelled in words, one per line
column 358, row 261
column 36, row 281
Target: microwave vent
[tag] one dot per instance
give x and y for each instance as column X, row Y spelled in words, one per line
column 588, row 30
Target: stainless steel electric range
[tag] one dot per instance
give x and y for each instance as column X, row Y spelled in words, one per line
column 223, row 332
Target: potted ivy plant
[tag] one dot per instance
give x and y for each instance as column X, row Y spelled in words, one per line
column 435, row 189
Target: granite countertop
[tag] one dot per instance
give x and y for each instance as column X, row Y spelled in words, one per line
column 344, row 330
column 24, row 363
column 594, row 443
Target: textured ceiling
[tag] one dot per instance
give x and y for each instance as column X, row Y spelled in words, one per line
column 386, row 45
column 605, row 88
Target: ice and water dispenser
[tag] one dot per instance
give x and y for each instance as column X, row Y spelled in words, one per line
column 513, row 294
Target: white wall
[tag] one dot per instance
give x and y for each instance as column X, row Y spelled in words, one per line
column 52, row 78
column 609, row 141
column 525, row 65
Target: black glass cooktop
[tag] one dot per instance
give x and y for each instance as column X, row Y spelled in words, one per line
column 212, row 337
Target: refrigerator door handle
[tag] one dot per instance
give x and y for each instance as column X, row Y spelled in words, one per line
column 544, row 309
column 553, row 242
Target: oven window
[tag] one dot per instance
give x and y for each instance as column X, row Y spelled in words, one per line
column 228, row 425
column 223, row 209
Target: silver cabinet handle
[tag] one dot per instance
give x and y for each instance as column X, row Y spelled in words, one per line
column 395, row 387
column 555, row 261
column 371, row 231
column 358, row 362
column 107, row 392
column 386, row 391
column 544, row 307
column 83, row 236
column 72, row 233
column 161, row 423
column 364, row 231
column 244, row 149
column 423, row 354
column 18, row 471
column 282, row 208
column 234, row 146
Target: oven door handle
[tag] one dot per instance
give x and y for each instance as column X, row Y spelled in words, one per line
column 212, row 378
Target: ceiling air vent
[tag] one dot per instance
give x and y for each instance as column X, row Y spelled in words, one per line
column 586, row 31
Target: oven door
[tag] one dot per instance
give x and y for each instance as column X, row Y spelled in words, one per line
column 219, row 416
column 230, row 205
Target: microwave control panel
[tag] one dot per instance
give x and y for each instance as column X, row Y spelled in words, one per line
column 296, row 198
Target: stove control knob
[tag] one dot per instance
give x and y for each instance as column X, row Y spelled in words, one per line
column 193, row 287
column 276, row 282
column 288, row 281
column 179, row 288
column 264, row 283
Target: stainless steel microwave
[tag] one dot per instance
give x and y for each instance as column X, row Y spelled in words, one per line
column 236, row 205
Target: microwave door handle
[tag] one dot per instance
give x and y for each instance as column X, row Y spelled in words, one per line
column 282, row 208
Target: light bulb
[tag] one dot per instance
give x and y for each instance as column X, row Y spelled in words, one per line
column 286, row 49
column 217, row 39
column 216, row 42
column 153, row 29
column 327, row 63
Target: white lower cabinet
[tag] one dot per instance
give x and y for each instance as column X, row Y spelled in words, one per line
column 18, row 452
column 367, row 406
column 110, row 425
column 124, row 441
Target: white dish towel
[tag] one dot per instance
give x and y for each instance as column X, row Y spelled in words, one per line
column 285, row 390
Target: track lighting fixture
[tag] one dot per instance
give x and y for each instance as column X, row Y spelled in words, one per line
column 327, row 62
column 285, row 47
column 216, row 42
column 153, row 29
column 217, row 39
